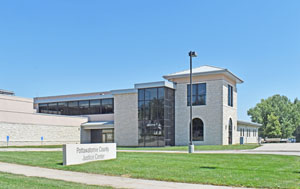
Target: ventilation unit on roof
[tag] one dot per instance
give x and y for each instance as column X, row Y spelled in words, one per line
column 4, row 92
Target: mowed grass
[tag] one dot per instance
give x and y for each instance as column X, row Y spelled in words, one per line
column 12, row 181
column 246, row 170
column 197, row 148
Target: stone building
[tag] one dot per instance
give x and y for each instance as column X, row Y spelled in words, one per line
column 153, row 114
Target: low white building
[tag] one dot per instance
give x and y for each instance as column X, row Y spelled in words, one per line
column 155, row 113
column 248, row 132
column 21, row 125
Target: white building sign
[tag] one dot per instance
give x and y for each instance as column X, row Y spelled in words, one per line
column 82, row 153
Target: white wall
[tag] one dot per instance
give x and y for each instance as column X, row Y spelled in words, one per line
column 30, row 134
column 18, row 120
column 229, row 112
column 248, row 139
column 16, row 104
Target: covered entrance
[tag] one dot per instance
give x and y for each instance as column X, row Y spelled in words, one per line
column 102, row 135
column 97, row 132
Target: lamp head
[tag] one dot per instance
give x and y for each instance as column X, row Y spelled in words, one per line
column 192, row 54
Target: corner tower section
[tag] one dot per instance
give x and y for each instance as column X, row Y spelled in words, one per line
column 211, row 112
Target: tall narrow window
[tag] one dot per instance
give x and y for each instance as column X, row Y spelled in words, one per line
column 199, row 94
column 230, row 95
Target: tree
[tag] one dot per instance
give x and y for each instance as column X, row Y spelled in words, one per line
column 273, row 127
column 287, row 113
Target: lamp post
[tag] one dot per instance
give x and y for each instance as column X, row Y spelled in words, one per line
column 191, row 145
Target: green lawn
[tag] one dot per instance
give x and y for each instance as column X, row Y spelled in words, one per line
column 12, row 181
column 219, row 169
column 197, row 148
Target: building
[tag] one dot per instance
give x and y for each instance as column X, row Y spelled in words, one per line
column 157, row 113
column 21, row 125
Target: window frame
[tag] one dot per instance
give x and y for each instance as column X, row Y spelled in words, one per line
column 230, row 95
column 197, row 95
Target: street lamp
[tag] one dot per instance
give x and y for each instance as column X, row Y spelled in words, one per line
column 191, row 145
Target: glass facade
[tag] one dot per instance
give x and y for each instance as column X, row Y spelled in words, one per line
column 199, row 94
column 84, row 107
column 156, row 115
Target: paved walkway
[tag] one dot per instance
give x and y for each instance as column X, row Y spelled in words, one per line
column 219, row 152
column 95, row 179
column 292, row 149
column 30, row 149
column 279, row 147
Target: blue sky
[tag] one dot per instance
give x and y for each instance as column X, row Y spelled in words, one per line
column 67, row 46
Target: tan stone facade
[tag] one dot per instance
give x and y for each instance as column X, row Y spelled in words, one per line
column 210, row 114
column 126, row 119
column 19, row 121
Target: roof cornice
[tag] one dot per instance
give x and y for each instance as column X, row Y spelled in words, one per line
column 225, row 71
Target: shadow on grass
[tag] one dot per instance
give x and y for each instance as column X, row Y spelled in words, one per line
column 208, row 167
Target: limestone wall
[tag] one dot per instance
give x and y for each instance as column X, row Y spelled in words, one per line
column 126, row 119
column 210, row 114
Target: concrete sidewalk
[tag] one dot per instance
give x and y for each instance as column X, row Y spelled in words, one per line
column 287, row 153
column 279, row 147
column 30, row 149
column 291, row 149
column 95, row 179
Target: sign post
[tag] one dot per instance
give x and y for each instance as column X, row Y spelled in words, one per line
column 7, row 140
column 42, row 139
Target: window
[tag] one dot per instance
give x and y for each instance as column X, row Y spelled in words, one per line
column 43, row 108
column 95, row 106
column 52, row 108
column 230, row 131
column 243, row 132
column 84, row 107
column 156, row 123
column 199, row 94
column 62, row 108
column 197, row 130
column 73, row 108
column 230, row 95
column 107, row 106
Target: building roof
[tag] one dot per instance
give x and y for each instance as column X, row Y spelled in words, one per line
column 203, row 70
column 246, row 123
column 5, row 92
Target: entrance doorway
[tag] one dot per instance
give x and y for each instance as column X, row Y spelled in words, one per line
column 230, row 131
column 102, row 135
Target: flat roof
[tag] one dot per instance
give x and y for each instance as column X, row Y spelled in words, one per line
column 98, row 125
column 246, row 123
column 203, row 70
